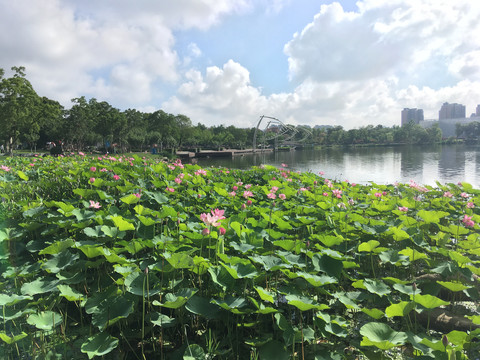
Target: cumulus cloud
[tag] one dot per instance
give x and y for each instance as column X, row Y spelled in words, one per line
column 117, row 50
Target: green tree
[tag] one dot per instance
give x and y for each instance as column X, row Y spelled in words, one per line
column 19, row 106
column 79, row 125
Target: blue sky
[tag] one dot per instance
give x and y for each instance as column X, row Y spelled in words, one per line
column 348, row 63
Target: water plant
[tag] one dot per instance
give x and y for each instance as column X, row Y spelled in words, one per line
column 127, row 258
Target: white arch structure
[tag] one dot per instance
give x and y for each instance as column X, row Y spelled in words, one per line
column 281, row 129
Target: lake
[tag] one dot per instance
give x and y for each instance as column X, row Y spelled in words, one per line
column 382, row 165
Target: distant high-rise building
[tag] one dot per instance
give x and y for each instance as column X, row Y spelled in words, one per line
column 477, row 113
column 451, row 111
column 415, row 115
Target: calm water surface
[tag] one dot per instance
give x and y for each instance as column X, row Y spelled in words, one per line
column 381, row 165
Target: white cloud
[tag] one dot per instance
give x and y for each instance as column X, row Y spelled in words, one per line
column 222, row 95
column 117, row 50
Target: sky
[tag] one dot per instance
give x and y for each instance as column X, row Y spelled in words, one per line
column 227, row 62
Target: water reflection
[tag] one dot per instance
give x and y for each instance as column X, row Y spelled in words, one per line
column 381, row 165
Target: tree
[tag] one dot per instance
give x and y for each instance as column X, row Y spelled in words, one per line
column 19, row 106
column 79, row 124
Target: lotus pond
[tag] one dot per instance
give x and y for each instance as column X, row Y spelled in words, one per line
column 127, row 258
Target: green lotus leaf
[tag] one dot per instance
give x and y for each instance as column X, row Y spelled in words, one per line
column 180, row 261
column 8, row 300
column 22, row 175
column 266, row 295
column 60, row 261
column 327, row 264
column 393, row 257
column 194, row 352
column 130, row 199
column 381, row 336
column 202, row 306
column 12, row 340
column 39, row 286
column 407, row 289
column 45, row 320
column 368, row 246
column 157, row 196
column 121, row 223
column 377, row 287
column 432, row 216
column 274, row 350
column 239, row 271
column 304, row 303
column 413, row 254
column 270, row 262
column 174, row 301
column 136, row 283
column 162, row 320
column 400, row 309
column 346, row 300
column 99, row 345
column 68, row 293
column 93, row 232
column 428, row 301
column 111, row 310
column 374, row 313
column 454, row 286
column 232, row 304
column 398, row 234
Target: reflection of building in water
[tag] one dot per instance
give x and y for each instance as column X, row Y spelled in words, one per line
column 411, row 162
column 451, row 164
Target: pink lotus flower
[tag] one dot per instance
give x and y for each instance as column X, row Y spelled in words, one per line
column 81, row 153
column 170, row 189
column 5, row 168
column 321, row 173
column 282, row 196
column 201, row 172
column 378, row 195
column 272, row 196
column 274, row 189
column 249, row 202
column 93, row 169
column 325, row 194
column 205, row 232
column 94, row 205
column 222, row 231
column 470, row 205
column 178, row 180
column 232, row 193
column 248, row 186
column 447, row 194
column 92, row 180
column 103, row 170
column 137, row 195
column 464, row 195
column 235, row 188
column 116, row 177
column 467, row 220
column 403, row 208
column 247, row 194
column 214, row 218
column 284, row 165
column 337, row 193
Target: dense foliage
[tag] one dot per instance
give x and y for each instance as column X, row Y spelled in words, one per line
column 31, row 120
column 127, row 258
